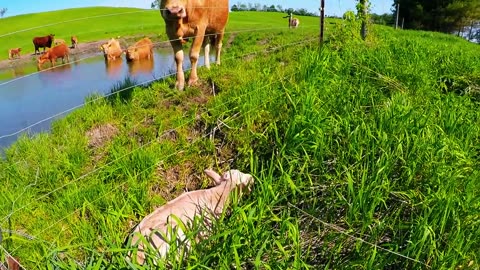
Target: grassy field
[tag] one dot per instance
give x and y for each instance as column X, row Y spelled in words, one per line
column 365, row 155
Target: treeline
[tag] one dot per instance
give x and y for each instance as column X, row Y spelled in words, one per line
column 448, row 16
column 270, row 8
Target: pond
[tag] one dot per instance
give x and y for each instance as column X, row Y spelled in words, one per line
column 31, row 100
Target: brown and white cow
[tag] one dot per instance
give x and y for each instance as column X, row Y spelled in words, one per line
column 59, row 51
column 169, row 222
column 14, row 52
column 195, row 19
column 142, row 49
column 294, row 23
column 43, row 42
column 111, row 49
column 74, row 41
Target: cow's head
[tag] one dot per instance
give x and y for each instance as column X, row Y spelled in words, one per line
column 105, row 47
column 238, row 179
column 173, row 9
column 43, row 58
column 131, row 53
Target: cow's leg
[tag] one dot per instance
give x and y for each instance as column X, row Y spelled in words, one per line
column 195, row 53
column 206, row 49
column 178, row 53
column 218, row 46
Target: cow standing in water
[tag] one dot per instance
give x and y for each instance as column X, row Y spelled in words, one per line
column 202, row 20
column 59, row 51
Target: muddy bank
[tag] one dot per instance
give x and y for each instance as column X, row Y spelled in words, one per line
column 82, row 49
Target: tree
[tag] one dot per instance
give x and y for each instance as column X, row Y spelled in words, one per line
column 438, row 15
column 2, row 12
column 155, row 4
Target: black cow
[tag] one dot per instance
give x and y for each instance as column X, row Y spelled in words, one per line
column 43, row 42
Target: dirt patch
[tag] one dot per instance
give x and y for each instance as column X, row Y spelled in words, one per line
column 230, row 40
column 98, row 136
column 175, row 180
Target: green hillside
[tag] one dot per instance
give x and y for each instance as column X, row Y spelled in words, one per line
column 365, row 155
column 100, row 23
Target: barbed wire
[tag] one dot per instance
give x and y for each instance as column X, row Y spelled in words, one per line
column 155, row 43
column 332, row 226
column 72, row 20
column 93, row 100
column 102, row 16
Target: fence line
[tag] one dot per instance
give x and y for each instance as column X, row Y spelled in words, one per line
column 85, row 103
column 37, row 236
column 343, row 231
column 155, row 43
column 102, row 16
column 72, row 20
column 117, row 159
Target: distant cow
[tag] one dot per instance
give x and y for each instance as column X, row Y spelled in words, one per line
column 74, row 41
column 292, row 22
column 194, row 19
column 142, row 49
column 43, row 42
column 59, row 51
column 111, row 49
column 14, row 52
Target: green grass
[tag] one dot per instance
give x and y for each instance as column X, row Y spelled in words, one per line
column 353, row 143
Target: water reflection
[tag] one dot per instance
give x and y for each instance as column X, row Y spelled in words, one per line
column 28, row 96
column 114, row 67
column 142, row 66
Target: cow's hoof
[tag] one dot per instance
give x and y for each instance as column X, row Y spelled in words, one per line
column 179, row 86
column 192, row 82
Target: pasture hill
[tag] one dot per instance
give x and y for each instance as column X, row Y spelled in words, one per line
column 365, row 154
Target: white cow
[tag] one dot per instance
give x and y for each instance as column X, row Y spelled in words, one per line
column 169, row 221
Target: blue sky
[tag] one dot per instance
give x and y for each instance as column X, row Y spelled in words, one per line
column 332, row 7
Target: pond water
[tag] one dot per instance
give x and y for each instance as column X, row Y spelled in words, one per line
column 28, row 96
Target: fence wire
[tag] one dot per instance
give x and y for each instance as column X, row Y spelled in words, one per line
column 38, row 235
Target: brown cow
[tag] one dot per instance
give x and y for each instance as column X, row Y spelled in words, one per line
column 111, row 49
column 142, row 49
column 195, row 19
column 43, row 42
column 59, row 51
column 74, row 40
column 14, row 52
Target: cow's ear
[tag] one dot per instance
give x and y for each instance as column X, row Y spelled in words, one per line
column 215, row 176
